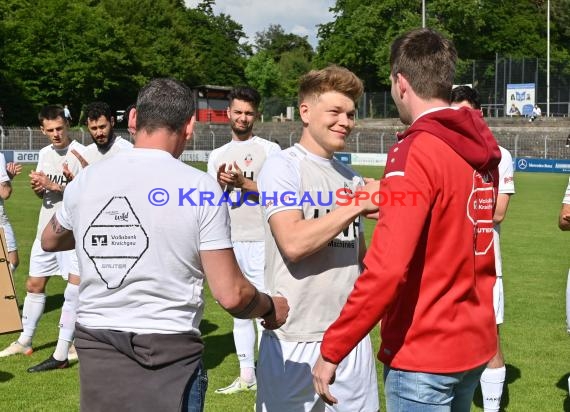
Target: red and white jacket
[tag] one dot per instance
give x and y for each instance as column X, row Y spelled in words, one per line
column 430, row 269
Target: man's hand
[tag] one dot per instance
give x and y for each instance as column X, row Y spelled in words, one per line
column 84, row 163
column 67, row 173
column 13, row 169
column 225, row 178
column 323, row 376
column 237, row 175
column 40, row 182
column 278, row 316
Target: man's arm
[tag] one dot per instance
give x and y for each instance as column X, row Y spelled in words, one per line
column 298, row 237
column 5, row 190
column 564, row 220
column 13, row 169
column 501, row 207
column 56, row 238
column 41, row 182
column 236, row 295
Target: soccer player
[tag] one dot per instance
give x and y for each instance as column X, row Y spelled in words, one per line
column 493, row 377
column 48, row 182
column 144, row 262
column 430, row 269
column 236, row 166
column 314, row 249
column 100, row 123
column 564, row 224
column 7, row 173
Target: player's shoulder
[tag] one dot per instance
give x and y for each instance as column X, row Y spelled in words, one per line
column 122, row 143
column 505, row 155
column 291, row 155
column 266, row 143
column 77, row 146
column 46, row 149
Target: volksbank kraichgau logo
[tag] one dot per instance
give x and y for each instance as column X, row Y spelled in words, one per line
column 113, row 244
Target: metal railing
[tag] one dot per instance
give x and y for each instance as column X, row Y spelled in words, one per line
column 521, row 141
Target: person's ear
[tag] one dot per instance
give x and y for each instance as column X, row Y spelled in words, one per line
column 190, row 127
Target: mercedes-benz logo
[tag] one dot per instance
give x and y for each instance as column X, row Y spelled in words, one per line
column 522, row 164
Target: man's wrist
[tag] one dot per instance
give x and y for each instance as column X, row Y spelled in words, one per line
column 271, row 310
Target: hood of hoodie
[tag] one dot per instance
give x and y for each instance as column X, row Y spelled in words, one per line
column 465, row 131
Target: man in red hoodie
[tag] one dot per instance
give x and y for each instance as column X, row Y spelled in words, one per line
column 430, row 269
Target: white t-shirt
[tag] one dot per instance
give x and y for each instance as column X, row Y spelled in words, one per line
column 316, row 287
column 3, row 178
column 506, row 186
column 139, row 226
column 92, row 153
column 246, row 218
column 566, row 199
column 50, row 161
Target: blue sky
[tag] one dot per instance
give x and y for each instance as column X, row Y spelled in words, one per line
column 295, row 16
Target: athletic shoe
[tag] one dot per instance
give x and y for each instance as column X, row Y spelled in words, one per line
column 16, row 348
column 239, row 385
column 72, row 354
column 49, row 364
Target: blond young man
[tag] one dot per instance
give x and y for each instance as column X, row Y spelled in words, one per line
column 314, row 251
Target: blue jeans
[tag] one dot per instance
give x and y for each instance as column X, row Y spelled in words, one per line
column 195, row 392
column 429, row 392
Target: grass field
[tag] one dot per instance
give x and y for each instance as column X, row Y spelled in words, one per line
column 535, row 342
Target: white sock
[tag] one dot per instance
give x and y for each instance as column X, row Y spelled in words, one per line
column 244, row 339
column 34, row 304
column 67, row 321
column 492, row 381
column 61, row 350
column 247, row 374
column 568, row 302
column 12, row 268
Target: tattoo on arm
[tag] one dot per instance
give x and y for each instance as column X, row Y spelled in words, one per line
column 56, row 226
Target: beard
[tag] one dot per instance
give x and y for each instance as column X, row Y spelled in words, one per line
column 242, row 131
column 105, row 146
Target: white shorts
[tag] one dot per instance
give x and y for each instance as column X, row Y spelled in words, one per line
column 285, row 380
column 10, row 238
column 499, row 300
column 251, row 260
column 44, row 264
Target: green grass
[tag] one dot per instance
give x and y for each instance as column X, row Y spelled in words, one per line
column 535, row 343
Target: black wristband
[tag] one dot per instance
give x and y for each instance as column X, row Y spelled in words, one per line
column 245, row 312
column 271, row 308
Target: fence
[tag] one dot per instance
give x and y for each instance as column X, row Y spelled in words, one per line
column 541, row 139
column 490, row 78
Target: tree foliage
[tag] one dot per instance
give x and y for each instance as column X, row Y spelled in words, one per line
column 74, row 52
column 362, row 31
column 56, row 51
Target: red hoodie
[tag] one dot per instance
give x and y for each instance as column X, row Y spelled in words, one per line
column 430, row 269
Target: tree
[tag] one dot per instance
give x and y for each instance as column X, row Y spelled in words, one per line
column 55, row 51
column 275, row 41
column 363, row 30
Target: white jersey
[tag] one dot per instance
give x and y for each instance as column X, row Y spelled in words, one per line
column 51, row 161
column 139, row 233
column 92, row 153
column 246, row 218
column 566, row 199
column 506, row 186
column 3, row 178
column 316, row 287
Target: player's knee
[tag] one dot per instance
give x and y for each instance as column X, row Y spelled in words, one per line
column 36, row 285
